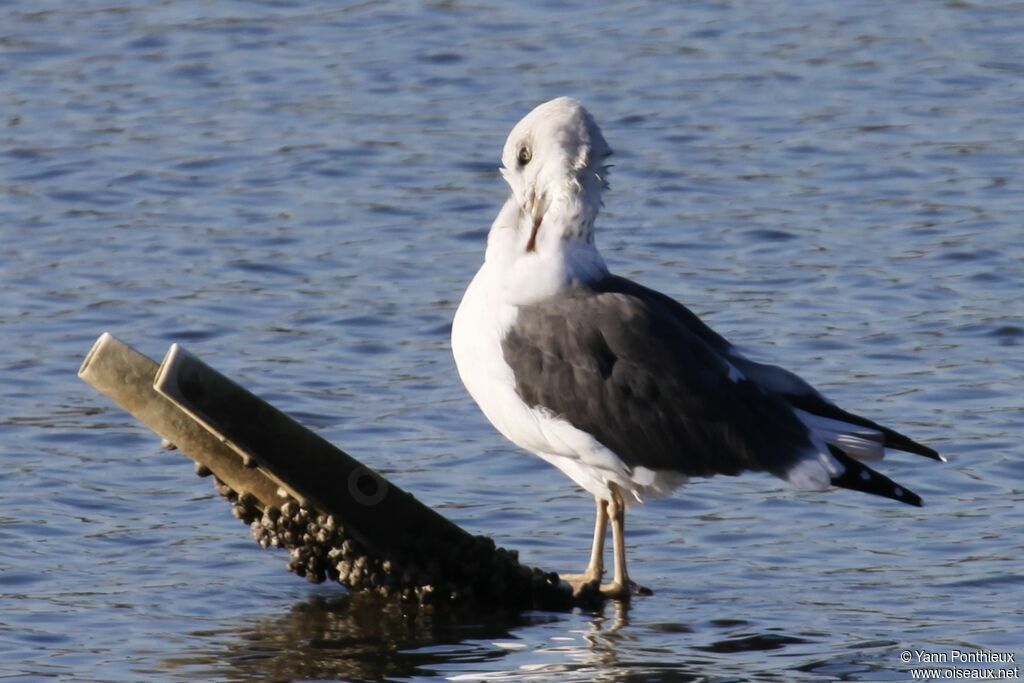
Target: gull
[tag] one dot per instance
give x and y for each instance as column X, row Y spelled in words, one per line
column 622, row 388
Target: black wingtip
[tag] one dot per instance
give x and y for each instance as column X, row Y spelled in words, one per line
column 903, row 443
column 859, row 477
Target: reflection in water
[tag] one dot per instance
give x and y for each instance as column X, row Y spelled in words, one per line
column 361, row 637
column 609, row 651
column 354, row 637
column 605, row 633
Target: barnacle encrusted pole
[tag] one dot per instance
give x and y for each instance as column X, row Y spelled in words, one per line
column 323, row 475
column 339, row 519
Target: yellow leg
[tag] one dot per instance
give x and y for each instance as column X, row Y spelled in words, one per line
column 619, row 587
column 595, row 568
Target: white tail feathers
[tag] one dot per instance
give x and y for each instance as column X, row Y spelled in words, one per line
column 861, row 443
column 818, row 468
column 835, row 459
column 815, row 470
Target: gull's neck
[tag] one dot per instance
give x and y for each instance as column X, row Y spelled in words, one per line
column 564, row 255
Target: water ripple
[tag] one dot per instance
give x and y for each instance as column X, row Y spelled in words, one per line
column 300, row 192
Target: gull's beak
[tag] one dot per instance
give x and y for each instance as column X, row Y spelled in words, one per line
column 540, row 206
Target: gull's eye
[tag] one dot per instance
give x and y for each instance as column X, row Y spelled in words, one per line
column 524, row 156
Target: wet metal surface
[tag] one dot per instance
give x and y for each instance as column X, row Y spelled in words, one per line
column 302, row 191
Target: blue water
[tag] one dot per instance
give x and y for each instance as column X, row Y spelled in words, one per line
column 299, row 192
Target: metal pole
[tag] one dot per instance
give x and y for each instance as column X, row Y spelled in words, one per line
column 126, row 377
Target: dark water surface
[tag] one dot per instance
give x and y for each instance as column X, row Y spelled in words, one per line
column 299, row 192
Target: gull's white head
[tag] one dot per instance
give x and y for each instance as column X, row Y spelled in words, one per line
column 554, row 161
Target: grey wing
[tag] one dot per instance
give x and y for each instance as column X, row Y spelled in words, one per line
column 772, row 379
column 628, row 370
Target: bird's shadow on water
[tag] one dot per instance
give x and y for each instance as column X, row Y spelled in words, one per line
column 363, row 638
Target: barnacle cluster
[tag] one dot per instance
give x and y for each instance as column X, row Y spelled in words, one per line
column 321, row 548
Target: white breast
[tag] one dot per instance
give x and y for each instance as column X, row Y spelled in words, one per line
column 479, row 326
